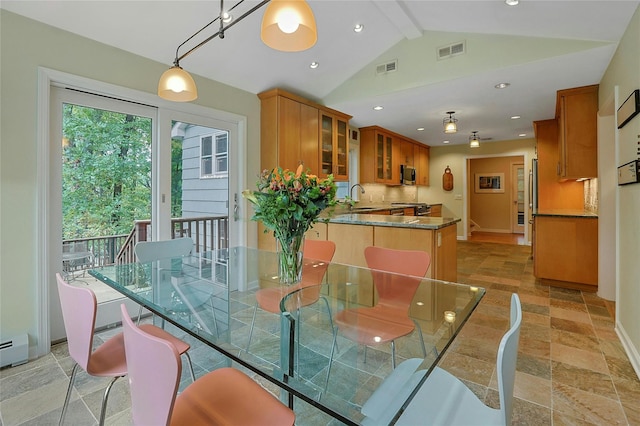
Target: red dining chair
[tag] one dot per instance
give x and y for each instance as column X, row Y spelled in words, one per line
column 268, row 299
column 79, row 306
column 222, row 397
column 389, row 318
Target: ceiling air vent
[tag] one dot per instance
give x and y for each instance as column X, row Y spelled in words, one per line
column 454, row 49
column 387, row 67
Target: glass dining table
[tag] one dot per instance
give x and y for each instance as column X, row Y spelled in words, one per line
column 302, row 347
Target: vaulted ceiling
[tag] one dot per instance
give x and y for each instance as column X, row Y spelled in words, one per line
column 538, row 47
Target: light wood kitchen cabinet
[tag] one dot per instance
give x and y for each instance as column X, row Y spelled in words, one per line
column 383, row 151
column 406, row 153
column 576, row 112
column 566, row 251
column 334, row 146
column 435, row 210
column 292, row 133
column 552, row 193
column 376, row 157
column 421, row 163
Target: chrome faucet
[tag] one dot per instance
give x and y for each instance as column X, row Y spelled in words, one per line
column 351, row 190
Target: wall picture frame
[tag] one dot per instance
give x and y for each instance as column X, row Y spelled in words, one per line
column 489, row 183
column 629, row 108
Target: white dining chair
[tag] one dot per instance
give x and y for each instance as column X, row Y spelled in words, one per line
column 445, row 400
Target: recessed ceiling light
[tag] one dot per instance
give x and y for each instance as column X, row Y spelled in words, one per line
column 502, row 85
column 515, row 117
column 378, row 107
column 512, row 2
column 358, row 28
column 522, row 135
column 420, row 129
column 314, row 65
column 445, row 141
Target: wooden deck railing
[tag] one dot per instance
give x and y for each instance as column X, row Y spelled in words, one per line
column 208, row 233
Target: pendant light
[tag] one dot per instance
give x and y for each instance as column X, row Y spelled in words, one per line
column 449, row 123
column 289, row 26
column 474, row 140
column 177, row 85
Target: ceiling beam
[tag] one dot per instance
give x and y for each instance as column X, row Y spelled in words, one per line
column 397, row 13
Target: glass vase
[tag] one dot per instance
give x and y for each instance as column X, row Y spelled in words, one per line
column 290, row 258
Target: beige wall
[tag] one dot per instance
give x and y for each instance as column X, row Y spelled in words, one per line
column 456, row 158
column 26, row 45
column 491, row 211
column 624, row 73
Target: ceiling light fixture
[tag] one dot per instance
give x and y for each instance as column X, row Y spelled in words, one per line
column 420, row 129
column 512, row 2
column 502, row 85
column 474, row 140
column 314, row 65
column 515, row 117
column 378, row 108
column 358, row 28
column 287, row 25
column 449, row 123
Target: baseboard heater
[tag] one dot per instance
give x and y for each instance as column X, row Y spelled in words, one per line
column 14, row 351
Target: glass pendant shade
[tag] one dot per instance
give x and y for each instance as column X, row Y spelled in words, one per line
column 177, row 85
column 449, row 123
column 289, row 26
column 474, row 141
column 450, row 127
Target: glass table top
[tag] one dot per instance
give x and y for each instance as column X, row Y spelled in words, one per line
column 325, row 341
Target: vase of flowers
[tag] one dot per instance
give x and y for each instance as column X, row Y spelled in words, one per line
column 288, row 204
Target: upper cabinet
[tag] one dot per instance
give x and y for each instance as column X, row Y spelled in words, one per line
column 294, row 130
column 576, row 112
column 421, row 163
column 377, row 157
column 334, row 146
column 383, row 151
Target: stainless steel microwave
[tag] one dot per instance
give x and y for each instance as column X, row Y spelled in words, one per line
column 407, row 175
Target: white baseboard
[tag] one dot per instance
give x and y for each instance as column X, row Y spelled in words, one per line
column 630, row 349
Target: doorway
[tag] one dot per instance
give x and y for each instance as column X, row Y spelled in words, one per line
column 496, row 211
column 163, row 115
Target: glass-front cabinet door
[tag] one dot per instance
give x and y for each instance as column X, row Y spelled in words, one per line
column 334, row 147
column 326, row 145
column 384, row 158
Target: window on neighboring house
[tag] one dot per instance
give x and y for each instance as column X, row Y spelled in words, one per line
column 214, row 155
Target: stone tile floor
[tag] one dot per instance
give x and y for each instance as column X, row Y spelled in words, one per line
column 572, row 369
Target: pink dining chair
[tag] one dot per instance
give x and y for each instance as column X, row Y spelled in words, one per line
column 79, row 306
column 222, row 397
column 268, row 299
column 389, row 318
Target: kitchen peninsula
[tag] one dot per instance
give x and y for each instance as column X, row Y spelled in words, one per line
column 353, row 232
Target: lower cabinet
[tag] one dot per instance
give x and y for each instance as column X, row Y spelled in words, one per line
column 565, row 252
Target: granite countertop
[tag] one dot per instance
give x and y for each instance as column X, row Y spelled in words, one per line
column 418, row 222
column 566, row 213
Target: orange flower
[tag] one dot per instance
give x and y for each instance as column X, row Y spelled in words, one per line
column 299, row 171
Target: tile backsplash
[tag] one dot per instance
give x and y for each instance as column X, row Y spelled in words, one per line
column 377, row 194
column 591, row 195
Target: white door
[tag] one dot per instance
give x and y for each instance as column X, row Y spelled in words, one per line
column 517, row 199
